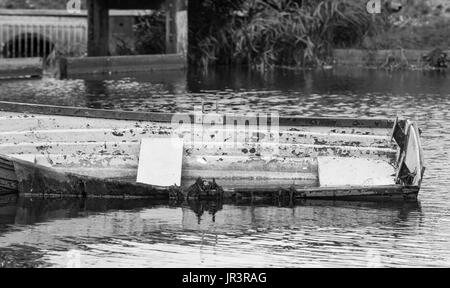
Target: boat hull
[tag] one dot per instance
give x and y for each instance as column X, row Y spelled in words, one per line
column 38, row 181
column 55, row 151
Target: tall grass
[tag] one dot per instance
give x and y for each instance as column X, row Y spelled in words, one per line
column 269, row 33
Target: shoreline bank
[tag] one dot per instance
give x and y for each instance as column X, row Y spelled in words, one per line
column 408, row 59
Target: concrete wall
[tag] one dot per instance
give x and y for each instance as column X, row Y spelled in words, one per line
column 67, row 33
column 81, row 66
column 377, row 57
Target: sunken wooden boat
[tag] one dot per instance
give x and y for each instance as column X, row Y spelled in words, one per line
column 66, row 151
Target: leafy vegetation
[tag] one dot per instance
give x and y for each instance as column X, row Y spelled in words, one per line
column 268, row 33
column 150, row 33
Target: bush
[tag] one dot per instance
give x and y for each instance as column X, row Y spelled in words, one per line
column 150, row 33
column 267, row 33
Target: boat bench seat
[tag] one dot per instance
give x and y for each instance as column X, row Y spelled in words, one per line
column 340, row 171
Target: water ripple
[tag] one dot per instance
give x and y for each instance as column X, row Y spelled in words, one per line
column 307, row 235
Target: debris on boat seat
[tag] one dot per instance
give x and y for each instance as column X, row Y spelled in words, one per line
column 200, row 189
column 344, row 171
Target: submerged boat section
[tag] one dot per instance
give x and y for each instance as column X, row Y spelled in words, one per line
column 67, row 151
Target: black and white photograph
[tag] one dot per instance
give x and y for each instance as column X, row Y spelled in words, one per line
column 230, row 134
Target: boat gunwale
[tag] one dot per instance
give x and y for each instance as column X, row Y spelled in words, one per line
column 161, row 117
column 402, row 136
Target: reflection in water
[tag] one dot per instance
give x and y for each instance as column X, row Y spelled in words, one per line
column 37, row 232
column 350, row 92
column 96, row 91
column 202, row 207
column 136, row 233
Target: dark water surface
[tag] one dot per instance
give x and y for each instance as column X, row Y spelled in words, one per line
column 61, row 233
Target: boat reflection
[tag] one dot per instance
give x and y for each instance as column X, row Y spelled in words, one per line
column 202, row 214
column 28, row 211
column 40, row 232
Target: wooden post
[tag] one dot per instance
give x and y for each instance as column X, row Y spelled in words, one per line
column 98, row 28
column 171, row 26
column 195, row 17
column 176, row 26
column 182, row 27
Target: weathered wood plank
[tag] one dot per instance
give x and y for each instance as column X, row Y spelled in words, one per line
column 227, row 179
column 21, row 122
column 241, row 163
column 8, row 178
column 7, row 192
column 201, row 149
column 338, row 193
column 8, row 184
column 195, row 134
column 168, row 117
column 123, row 64
column 7, row 174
